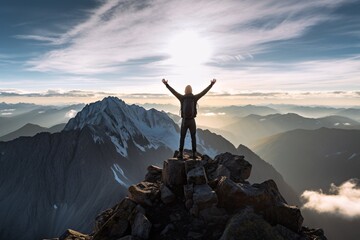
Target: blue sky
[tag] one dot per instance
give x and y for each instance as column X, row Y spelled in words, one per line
column 305, row 48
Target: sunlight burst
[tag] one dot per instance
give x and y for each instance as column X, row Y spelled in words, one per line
column 188, row 48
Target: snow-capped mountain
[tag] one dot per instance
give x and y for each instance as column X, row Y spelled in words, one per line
column 51, row 182
column 145, row 129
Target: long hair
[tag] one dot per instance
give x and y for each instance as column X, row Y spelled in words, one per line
column 188, row 89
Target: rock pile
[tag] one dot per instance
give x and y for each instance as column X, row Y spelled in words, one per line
column 201, row 199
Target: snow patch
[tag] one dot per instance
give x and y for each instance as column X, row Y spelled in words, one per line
column 41, row 112
column 347, row 124
column 97, row 139
column 139, row 147
column 6, row 113
column 121, row 148
column 336, row 124
column 263, row 119
column 8, row 110
column 55, row 206
column 119, row 175
column 352, row 156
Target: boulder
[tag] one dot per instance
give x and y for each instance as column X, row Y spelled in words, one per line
column 248, row 225
column 214, row 216
column 73, row 235
column 238, row 195
column 173, row 173
column 188, row 191
column 167, row 196
column 239, row 168
column 204, row 196
column 144, row 193
column 288, row 216
column 141, row 226
column 118, row 224
column 222, row 171
column 197, row 176
column 154, row 174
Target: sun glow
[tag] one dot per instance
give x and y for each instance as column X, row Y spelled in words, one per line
column 188, row 48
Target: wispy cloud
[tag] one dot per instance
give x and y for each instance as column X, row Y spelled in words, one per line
column 119, row 32
column 343, row 200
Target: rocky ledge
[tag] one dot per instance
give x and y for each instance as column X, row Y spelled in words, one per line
column 200, row 199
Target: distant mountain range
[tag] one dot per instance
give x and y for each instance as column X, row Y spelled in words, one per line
column 251, row 128
column 29, row 130
column 325, row 155
column 15, row 116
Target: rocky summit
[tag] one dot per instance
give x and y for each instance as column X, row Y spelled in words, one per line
column 200, row 198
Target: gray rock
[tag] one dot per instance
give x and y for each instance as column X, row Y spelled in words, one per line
column 204, row 196
column 248, row 225
column 117, row 225
column 71, row 234
column 188, row 191
column 141, row 226
column 214, row 215
column 170, row 227
column 167, row 196
column 173, row 173
column 288, row 216
column 239, row 168
column 144, row 192
column 197, row 176
column 129, row 237
column 154, row 174
column 222, row 171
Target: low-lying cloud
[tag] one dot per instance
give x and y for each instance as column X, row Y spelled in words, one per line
column 343, row 200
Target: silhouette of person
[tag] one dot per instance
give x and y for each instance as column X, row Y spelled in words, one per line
column 188, row 109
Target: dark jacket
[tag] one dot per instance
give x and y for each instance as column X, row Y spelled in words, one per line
column 182, row 97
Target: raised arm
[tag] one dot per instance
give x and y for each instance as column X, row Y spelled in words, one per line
column 200, row 95
column 176, row 94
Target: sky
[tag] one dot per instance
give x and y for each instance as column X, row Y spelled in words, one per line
column 265, row 51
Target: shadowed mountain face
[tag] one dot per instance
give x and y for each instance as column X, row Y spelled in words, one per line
column 325, row 155
column 51, row 182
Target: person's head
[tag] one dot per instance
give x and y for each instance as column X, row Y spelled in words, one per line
column 188, row 89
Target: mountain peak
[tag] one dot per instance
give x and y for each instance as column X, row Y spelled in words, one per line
column 201, row 199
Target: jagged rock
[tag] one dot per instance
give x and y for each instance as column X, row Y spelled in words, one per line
column 226, row 207
column 238, row 195
column 313, row 234
column 118, row 224
column 154, row 174
column 214, row 216
column 129, row 237
column 141, row 226
column 73, row 235
column 167, row 196
column 239, row 168
column 248, row 225
column 204, row 196
column 288, row 216
column 188, row 191
column 173, row 173
column 144, row 193
column 222, row 171
column 197, row 176
column 102, row 218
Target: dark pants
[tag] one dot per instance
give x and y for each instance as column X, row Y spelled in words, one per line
column 185, row 125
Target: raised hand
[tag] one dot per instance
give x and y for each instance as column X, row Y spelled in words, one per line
column 164, row 81
column 213, row 81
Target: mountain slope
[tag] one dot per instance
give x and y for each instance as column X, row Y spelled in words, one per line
column 326, row 155
column 30, row 130
column 263, row 171
column 254, row 127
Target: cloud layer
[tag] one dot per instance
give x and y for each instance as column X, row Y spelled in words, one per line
column 343, row 200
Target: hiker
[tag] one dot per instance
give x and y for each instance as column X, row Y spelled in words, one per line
column 188, row 109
